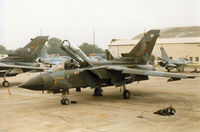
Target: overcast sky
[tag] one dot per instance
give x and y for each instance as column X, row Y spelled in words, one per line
column 75, row 20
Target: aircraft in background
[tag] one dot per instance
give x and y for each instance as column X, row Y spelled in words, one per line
column 109, row 56
column 96, row 58
column 23, row 60
column 48, row 60
column 131, row 67
column 169, row 64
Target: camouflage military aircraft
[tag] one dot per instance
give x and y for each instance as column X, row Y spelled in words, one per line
column 169, row 64
column 23, row 60
column 131, row 67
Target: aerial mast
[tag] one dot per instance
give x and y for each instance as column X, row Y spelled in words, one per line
column 41, row 31
column 94, row 39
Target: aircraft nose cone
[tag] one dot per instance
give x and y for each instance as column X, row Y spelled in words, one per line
column 36, row 83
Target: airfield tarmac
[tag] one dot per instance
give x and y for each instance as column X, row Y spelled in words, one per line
column 32, row 111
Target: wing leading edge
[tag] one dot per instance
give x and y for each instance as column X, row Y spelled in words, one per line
column 7, row 66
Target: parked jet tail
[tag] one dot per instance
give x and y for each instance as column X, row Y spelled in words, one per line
column 164, row 54
column 29, row 53
column 144, row 47
column 44, row 54
column 108, row 55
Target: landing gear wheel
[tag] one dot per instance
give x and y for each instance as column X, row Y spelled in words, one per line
column 98, row 92
column 127, row 94
column 168, row 69
column 64, row 101
column 5, row 84
column 78, row 89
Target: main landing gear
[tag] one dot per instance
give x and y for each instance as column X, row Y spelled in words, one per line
column 126, row 93
column 64, row 100
column 98, row 92
column 167, row 69
column 180, row 69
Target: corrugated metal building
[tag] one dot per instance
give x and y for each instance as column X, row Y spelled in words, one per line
column 178, row 42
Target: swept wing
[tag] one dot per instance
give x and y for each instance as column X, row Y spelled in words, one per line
column 125, row 70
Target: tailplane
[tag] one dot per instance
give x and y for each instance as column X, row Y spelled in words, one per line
column 144, row 47
column 44, row 54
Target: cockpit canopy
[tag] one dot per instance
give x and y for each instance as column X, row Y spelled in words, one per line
column 58, row 67
column 67, row 65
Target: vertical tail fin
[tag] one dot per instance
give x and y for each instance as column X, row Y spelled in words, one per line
column 33, row 49
column 144, row 47
column 164, row 54
column 44, row 54
column 108, row 55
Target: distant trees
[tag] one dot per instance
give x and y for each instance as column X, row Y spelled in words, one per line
column 152, row 60
column 53, row 47
column 3, row 50
column 90, row 48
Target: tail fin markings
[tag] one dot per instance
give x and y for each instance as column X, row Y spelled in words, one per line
column 144, row 47
column 34, row 48
column 30, row 52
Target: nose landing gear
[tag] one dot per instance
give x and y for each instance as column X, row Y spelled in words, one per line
column 5, row 83
column 64, row 100
column 98, row 92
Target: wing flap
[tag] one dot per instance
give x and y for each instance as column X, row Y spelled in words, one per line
column 101, row 72
column 156, row 73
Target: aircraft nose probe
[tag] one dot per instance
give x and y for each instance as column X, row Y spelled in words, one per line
column 36, row 83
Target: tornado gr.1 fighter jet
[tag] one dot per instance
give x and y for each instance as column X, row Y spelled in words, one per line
column 131, row 67
column 23, row 60
column 169, row 64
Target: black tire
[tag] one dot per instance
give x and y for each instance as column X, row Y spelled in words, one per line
column 168, row 69
column 98, row 92
column 78, row 89
column 64, row 101
column 172, row 112
column 127, row 94
column 5, row 84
